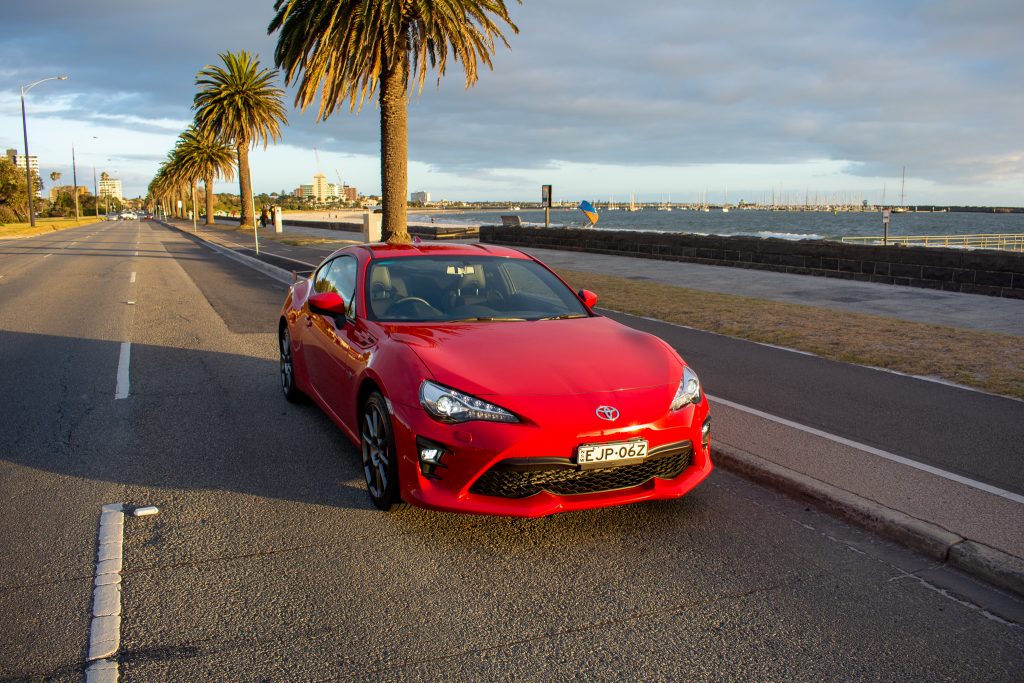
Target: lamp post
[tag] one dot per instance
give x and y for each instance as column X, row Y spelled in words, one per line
column 74, row 179
column 24, row 130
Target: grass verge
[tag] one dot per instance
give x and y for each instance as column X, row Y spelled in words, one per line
column 985, row 360
column 43, row 225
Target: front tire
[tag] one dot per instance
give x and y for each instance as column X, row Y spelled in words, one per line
column 380, row 461
column 291, row 391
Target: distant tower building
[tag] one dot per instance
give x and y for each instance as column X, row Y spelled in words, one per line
column 110, row 187
column 308, row 192
column 420, row 198
column 349, row 194
column 321, row 190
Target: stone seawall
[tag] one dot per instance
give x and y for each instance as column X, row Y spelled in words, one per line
column 993, row 273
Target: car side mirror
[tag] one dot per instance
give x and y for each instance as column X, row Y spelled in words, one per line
column 588, row 298
column 330, row 303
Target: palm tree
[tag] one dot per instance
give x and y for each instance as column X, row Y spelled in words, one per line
column 54, row 177
column 170, row 181
column 206, row 156
column 239, row 102
column 349, row 48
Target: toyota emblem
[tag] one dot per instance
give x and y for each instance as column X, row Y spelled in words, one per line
column 608, row 413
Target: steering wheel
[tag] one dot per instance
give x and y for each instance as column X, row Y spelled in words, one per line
column 410, row 300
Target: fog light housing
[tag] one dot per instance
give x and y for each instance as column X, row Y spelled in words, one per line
column 431, row 456
column 705, row 434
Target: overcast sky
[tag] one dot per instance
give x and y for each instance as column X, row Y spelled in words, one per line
column 601, row 99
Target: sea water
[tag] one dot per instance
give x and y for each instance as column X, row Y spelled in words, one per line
column 782, row 224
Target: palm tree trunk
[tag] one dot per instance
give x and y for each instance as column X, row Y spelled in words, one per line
column 394, row 150
column 245, row 186
column 208, row 184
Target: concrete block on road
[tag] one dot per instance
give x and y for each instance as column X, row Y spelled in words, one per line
column 106, row 600
column 104, row 637
column 109, row 566
column 107, row 579
column 102, row 671
column 110, row 518
column 111, row 550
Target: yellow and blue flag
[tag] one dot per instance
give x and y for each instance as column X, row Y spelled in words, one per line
column 588, row 208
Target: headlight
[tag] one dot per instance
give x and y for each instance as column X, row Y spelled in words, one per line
column 449, row 405
column 688, row 391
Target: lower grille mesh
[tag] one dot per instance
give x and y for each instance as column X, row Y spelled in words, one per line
column 506, row 483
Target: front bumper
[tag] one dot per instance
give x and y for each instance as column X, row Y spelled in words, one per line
column 527, row 470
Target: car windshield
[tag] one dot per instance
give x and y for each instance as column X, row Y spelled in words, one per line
column 478, row 289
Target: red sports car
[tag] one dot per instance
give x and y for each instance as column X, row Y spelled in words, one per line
column 473, row 379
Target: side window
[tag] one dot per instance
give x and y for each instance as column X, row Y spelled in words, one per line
column 321, row 283
column 339, row 276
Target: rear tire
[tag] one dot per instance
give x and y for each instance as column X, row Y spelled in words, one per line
column 380, row 460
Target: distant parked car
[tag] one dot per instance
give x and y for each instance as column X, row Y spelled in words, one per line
column 473, row 379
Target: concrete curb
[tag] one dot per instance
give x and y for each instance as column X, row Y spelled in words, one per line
column 988, row 564
column 984, row 562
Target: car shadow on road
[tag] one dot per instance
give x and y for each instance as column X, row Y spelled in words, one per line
column 193, row 420
column 199, row 420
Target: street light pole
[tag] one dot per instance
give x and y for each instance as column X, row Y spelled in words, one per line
column 74, row 179
column 24, row 130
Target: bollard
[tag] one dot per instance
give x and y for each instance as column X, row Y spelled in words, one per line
column 371, row 226
column 277, row 219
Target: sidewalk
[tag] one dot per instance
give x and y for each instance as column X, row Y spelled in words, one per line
column 947, row 518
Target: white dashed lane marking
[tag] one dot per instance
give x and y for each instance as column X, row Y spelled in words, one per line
column 123, row 364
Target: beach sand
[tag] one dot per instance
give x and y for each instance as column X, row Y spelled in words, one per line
column 356, row 216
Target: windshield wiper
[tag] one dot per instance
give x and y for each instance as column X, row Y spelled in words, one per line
column 485, row 319
column 563, row 316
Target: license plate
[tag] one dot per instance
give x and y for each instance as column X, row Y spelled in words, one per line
column 592, row 456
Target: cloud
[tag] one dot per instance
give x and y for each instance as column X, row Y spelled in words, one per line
column 873, row 86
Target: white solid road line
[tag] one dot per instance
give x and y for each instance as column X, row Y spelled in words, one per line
column 123, row 363
column 105, row 628
column 133, row 277
column 981, row 486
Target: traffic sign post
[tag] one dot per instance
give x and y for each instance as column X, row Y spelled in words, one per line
column 545, row 200
column 885, row 225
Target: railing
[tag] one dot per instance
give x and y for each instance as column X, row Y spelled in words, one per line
column 1005, row 241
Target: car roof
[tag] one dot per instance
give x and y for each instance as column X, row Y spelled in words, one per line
column 383, row 250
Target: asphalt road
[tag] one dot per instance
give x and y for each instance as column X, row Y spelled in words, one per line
column 267, row 561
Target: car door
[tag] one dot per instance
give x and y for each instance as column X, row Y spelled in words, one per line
column 334, row 348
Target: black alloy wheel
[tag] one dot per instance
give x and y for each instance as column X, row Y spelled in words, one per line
column 291, row 392
column 380, row 461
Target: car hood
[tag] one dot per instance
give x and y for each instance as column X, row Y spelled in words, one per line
column 541, row 358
